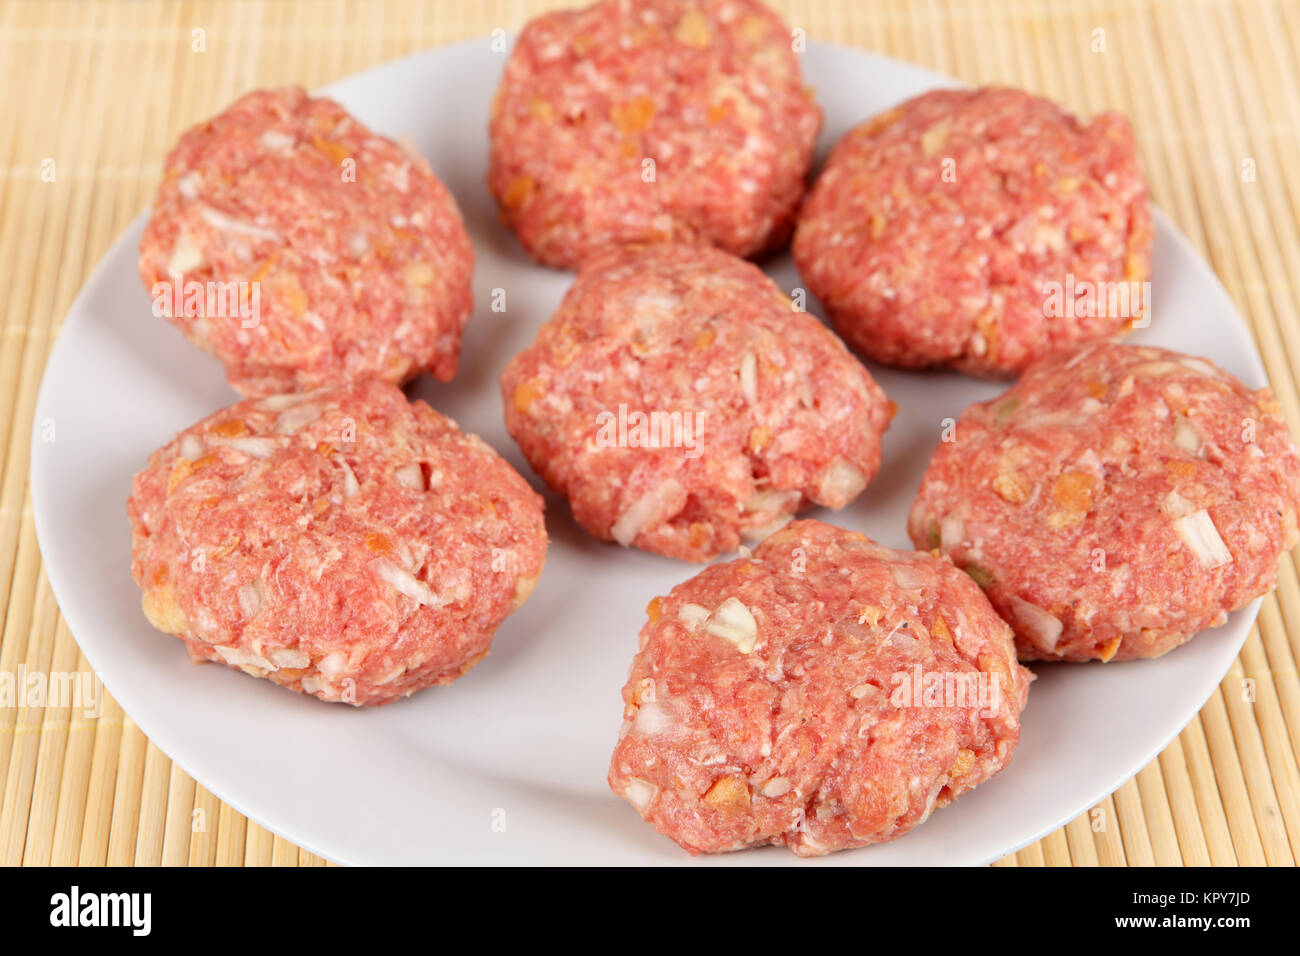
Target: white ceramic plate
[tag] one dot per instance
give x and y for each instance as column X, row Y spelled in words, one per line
column 508, row 765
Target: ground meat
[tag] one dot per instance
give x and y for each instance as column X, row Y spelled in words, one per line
column 356, row 252
column 344, row 543
column 650, row 120
column 754, row 410
column 934, row 231
column 826, row 693
column 1116, row 501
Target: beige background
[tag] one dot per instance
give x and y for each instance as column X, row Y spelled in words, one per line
column 104, row 87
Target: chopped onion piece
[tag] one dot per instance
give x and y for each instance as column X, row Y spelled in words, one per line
column 1175, row 505
column 278, row 403
column 290, row 657
column 759, row 532
column 407, row 583
column 191, row 447
column 733, row 622
column 220, row 220
column 297, row 417
column 651, row 719
column 276, row 140
column 639, row 793
column 769, row 500
column 250, row 599
column 1044, row 628
column 351, row 487
column 332, row 665
column 410, row 476
column 1200, row 534
column 255, row 446
column 1186, row 437
column 238, row 657
column 655, row 302
column 1154, row 369
column 1199, row 365
column 650, row 507
column 839, row 484
column 188, row 185
column 749, row 377
column 692, row 615
column 906, row 577
column 776, row 787
column 186, row 255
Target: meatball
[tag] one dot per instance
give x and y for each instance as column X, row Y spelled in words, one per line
column 825, row 693
column 303, row 250
column 681, row 403
column 1115, row 501
column 649, row 120
column 344, row 543
column 978, row 229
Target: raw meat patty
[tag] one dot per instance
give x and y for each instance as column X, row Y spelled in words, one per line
column 826, row 693
column 650, row 120
column 357, row 253
column 344, row 543
column 1115, row 501
column 933, row 232
column 772, row 413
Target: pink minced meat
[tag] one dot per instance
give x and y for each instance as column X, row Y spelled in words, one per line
column 775, row 415
column 651, row 120
column 361, row 260
column 934, row 227
column 1115, row 501
column 344, row 543
column 826, row 693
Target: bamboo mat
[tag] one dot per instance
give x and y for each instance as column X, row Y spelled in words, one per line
column 103, row 88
